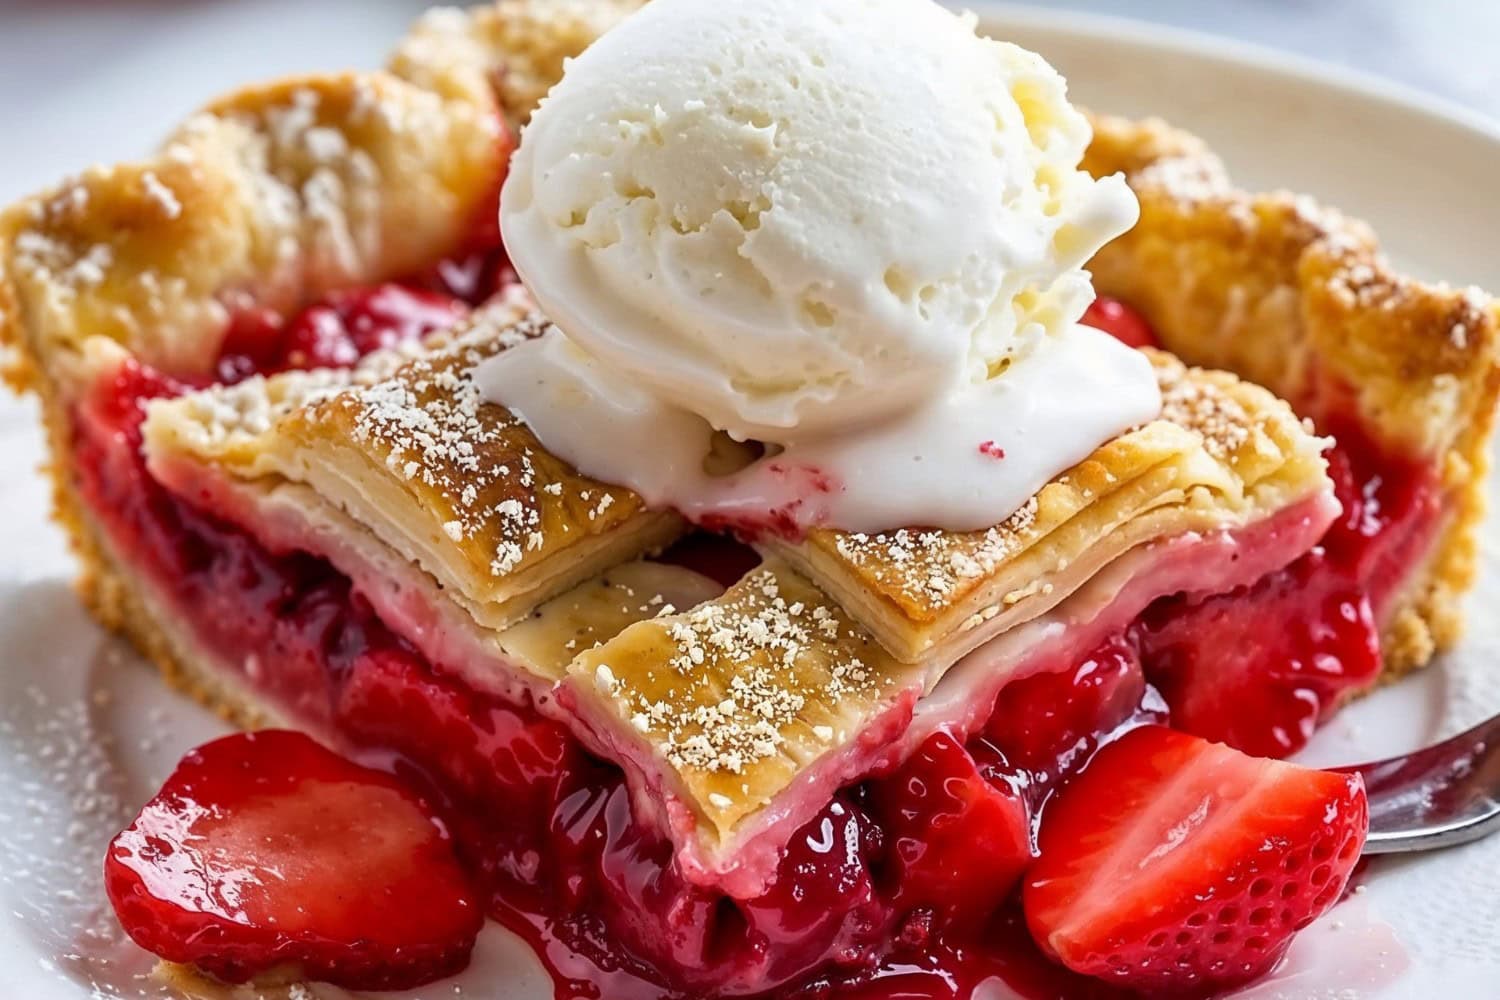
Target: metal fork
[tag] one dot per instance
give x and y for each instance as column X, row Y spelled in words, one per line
column 1441, row 796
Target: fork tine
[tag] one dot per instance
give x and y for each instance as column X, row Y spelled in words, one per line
column 1439, row 796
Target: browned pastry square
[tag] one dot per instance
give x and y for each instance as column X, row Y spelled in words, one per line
column 1224, row 453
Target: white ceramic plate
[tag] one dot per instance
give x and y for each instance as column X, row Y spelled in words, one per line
column 86, row 734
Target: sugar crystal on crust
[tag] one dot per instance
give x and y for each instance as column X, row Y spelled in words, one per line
column 934, row 565
column 430, row 415
column 739, row 671
column 1201, row 406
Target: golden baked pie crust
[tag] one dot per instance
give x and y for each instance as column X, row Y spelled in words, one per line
column 189, row 235
column 798, row 662
column 1297, row 297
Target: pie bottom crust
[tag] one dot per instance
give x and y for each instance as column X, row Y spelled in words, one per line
column 116, row 597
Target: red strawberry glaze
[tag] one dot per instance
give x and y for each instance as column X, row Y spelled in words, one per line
column 333, row 333
column 544, row 827
column 959, row 829
column 863, row 905
column 1047, row 725
column 1224, row 677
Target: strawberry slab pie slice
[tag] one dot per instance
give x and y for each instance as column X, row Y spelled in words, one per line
column 657, row 657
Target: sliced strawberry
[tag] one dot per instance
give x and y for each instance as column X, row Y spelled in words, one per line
column 958, row 842
column 1171, row 862
column 1121, row 322
column 264, row 850
column 1225, row 679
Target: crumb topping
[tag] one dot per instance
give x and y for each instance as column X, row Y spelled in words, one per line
column 1200, row 406
column 1185, row 179
column 164, row 196
column 68, row 270
column 517, row 48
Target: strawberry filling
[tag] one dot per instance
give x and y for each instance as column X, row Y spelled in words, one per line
column 1225, row 676
column 334, row 333
column 903, row 885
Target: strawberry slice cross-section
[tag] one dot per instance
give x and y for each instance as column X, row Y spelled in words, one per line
column 1171, row 861
column 265, row 851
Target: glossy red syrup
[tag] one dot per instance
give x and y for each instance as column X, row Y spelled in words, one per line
column 900, row 887
column 546, row 829
column 1261, row 667
column 335, row 332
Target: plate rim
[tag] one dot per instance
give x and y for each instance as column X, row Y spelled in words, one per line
column 1139, row 32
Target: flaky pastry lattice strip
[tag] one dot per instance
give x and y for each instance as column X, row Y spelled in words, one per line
column 454, row 484
column 738, row 695
column 1224, row 453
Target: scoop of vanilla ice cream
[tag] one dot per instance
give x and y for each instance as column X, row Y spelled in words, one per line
column 795, row 217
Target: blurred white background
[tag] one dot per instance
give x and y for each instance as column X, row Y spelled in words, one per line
column 99, row 80
column 1450, row 48
column 104, row 79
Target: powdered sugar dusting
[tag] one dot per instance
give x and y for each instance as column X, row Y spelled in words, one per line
column 221, row 416
column 164, row 196
column 435, row 425
column 1201, row 406
column 745, row 672
column 430, row 425
column 63, row 795
column 933, row 566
